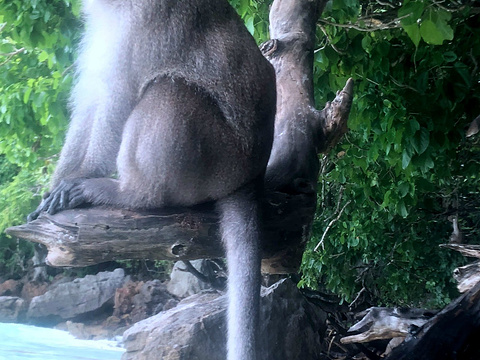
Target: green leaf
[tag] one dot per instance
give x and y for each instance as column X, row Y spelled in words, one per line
column 462, row 70
column 366, row 43
column 434, row 27
column 43, row 56
column 402, row 209
column 414, row 126
column 26, row 95
column 403, row 189
column 249, row 25
column 443, row 17
column 354, row 242
column 243, row 7
column 406, row 157
column 421, row 141
column 413, row 32
column 430, row 33
column 410, row 12
column 6, row 48
column 449, row 56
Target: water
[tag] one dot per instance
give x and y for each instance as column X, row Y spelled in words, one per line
column 19, row 341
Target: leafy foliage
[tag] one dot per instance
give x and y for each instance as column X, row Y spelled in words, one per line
column 36, row 52
column 405, row 166
column 384, row 194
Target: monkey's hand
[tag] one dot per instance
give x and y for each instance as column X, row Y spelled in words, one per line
column 67, row 195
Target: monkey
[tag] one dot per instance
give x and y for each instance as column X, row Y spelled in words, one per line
column 174, row 105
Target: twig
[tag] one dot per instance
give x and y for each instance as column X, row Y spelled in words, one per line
column 213, row 282
column 10, row 55
column 475, row 63
column 192, row 270
column 67, row 70
column 403, row 85
column 341, row 52
column 357, row 297
column 339, row 201
column 330, row 225
column 385, row 4
column 393, row 24
column 369, row 80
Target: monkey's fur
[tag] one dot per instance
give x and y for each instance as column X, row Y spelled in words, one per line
column 174, row 97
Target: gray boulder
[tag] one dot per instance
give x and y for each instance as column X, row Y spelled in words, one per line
column 78, row 297
column 182, row 283
column 10, row 308
column 291, row 328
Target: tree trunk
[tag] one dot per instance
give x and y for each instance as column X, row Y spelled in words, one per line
column 89, row 236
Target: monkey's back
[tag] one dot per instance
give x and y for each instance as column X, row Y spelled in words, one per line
column 202, row 100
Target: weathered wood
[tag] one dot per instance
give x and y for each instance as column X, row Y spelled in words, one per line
column 465, row 250
column 88, row 236
column 467, row 276
column 385, row 323
column 452, row 334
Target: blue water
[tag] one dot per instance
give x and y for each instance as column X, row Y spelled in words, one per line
column 34, row 343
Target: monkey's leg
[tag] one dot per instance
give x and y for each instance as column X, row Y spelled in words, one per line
column 239, row 223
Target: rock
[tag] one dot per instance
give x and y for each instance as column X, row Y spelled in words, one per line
column 291, row 329
column 86, row 296
column 138, row 301
column 123, row 303
column 32, row 289
column 184, row 332
column 10, row 288
column 10, row 308
column 170, row 304
column 150, row 300
column 183, row 283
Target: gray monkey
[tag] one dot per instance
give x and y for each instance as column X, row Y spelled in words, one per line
column 177, row 100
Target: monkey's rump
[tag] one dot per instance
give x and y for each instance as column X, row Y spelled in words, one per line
column 180, row 160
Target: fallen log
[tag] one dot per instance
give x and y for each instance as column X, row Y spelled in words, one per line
column 469, row 275
column 464, row 249
column 88, row 236
column 379, row 323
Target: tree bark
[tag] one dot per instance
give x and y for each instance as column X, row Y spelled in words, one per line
column 89, row 236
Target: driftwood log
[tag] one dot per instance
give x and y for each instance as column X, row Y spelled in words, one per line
column 379, row 323
column 451, row 334
column 469, row 275
column 87, row 236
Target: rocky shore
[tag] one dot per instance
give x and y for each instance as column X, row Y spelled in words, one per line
column 183, row 317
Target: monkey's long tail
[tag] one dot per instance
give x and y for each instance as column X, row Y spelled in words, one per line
column 239, row 223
